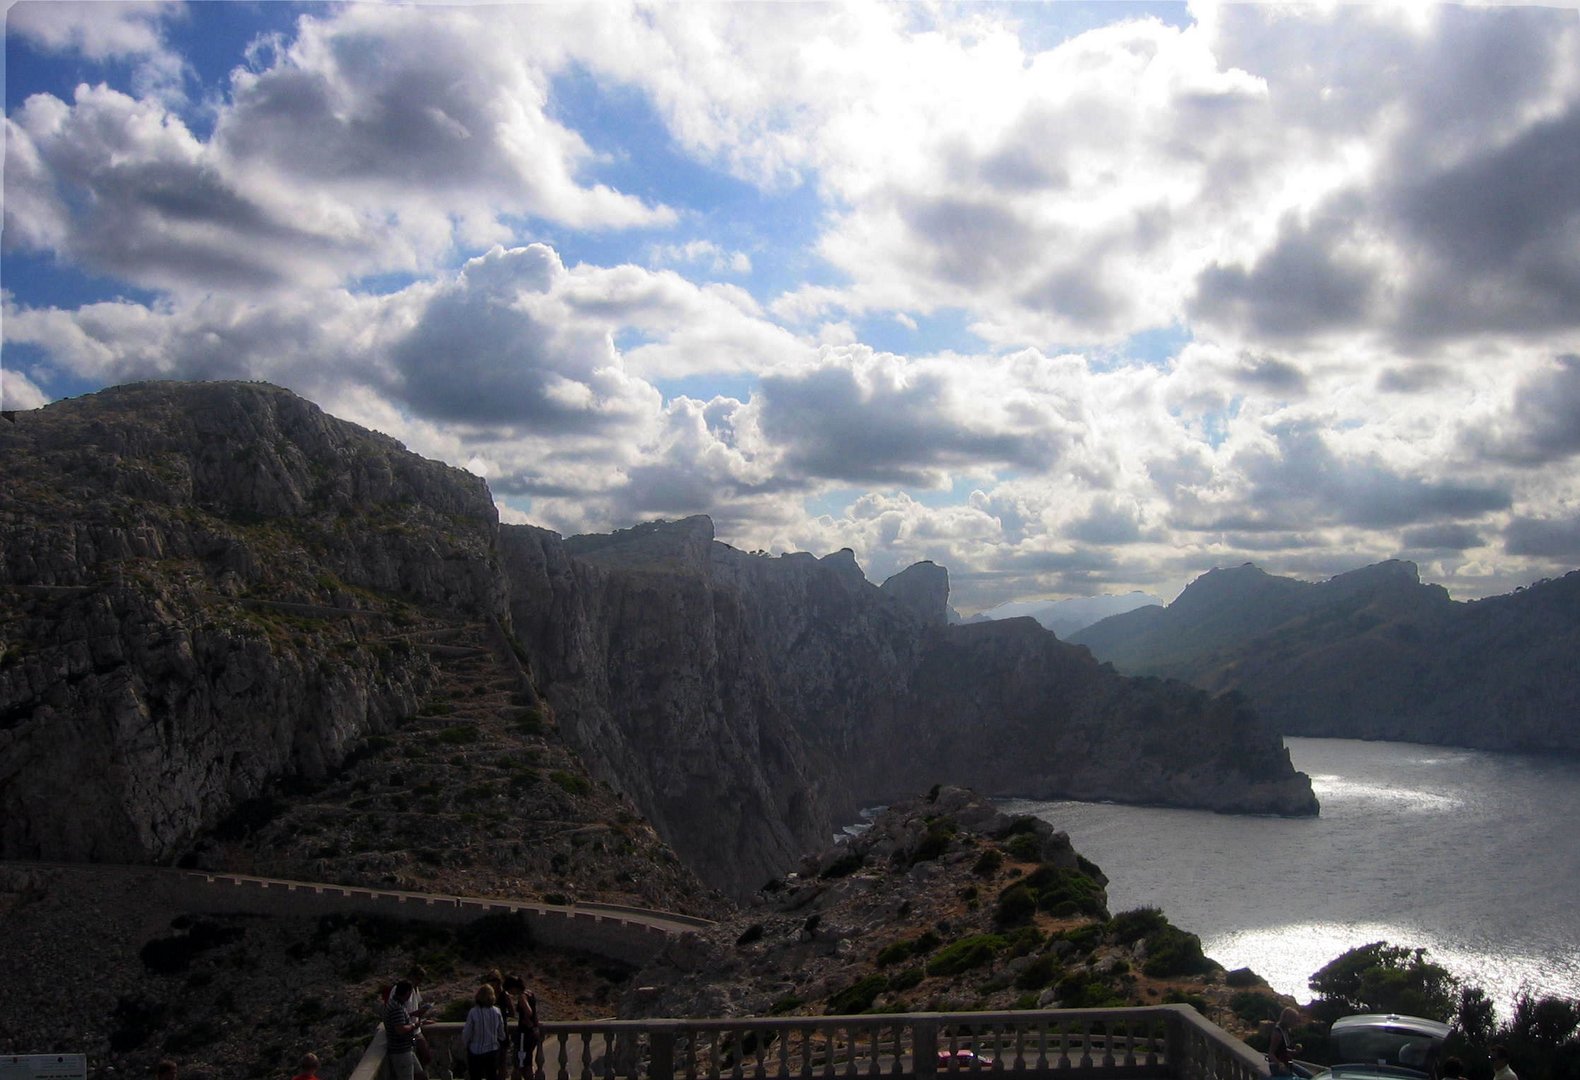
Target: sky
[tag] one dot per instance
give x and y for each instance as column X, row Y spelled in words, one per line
column 1070, row 298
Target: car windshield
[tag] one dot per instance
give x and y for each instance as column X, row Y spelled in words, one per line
column 1384, row 1046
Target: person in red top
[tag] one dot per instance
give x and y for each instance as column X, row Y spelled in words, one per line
column 308, row 1067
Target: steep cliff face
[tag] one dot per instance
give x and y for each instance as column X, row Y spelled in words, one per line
column 721, row 689
column 173, row 562
column 1373, row 653
column 201, row 585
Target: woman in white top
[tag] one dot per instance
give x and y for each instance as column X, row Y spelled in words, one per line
column 484, row 1036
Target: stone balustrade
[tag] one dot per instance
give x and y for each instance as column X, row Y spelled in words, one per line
column 1161, row 1041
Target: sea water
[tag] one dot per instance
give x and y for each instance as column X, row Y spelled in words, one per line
column 1473, row 856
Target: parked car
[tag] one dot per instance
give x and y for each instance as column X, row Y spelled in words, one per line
column 1374, row 1046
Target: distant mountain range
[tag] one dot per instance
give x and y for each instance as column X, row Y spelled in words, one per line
column 1372, row 654
column 1065, row 617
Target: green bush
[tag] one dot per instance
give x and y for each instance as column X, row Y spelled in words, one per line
column 1173, row 952
column 1131, row 926
column 1039, row 973
column 570, row 783
column 988, row 863
column 904, row 980
column 1016, row 905
column 858, row 997
column 843, row 866
column 1240, row 978
column 894, row 952
column 1024, row 847
column 1254, row 1007
column 965, row 954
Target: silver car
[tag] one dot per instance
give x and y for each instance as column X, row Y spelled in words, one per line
column 1373, row 1046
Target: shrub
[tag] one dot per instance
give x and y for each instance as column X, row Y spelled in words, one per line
column 172, row 955
column 894, row 952
column 1024, row 847
column 1016, row 905
column 904, row 980
column 1132, row 926
column 1254, row 1007
column 752, row 933
column 1171, row 951
column 459, row 735
column 857, row 997
column 1039, row 973
column 965, row 954
column 570, row 783
column 988, row 862
column 1240, row 978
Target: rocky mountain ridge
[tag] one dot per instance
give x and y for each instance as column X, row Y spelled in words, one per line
column 1373, row 653
column 207, row 588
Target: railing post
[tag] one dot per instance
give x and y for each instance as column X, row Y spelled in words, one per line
column 924, row 1047
column 1178, row 1047
column 661, row 1052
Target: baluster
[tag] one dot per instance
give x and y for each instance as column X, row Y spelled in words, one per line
column 562, row 1060
column 784, row 1053
column 737, row 1052
column 806, row 1050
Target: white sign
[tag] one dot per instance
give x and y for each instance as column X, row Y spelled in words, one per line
column 44, row 1067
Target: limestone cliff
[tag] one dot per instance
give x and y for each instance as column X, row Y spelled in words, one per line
column 722, row 689
column 202, row 586
column 174, row 560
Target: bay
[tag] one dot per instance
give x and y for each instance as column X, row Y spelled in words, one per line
column 1473, row 856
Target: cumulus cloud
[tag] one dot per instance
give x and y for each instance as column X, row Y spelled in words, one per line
column 375, row 140
column 1541, row 426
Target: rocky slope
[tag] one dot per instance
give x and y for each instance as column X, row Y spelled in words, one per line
column 1370, row 654
column 942, row 904
column 212, row 589
column 784, row 689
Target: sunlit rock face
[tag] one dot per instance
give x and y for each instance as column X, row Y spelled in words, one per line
column 177, row 562
column 140, row 697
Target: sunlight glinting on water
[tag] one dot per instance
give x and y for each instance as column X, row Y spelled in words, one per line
column 1337, row 787
column 1287, row 956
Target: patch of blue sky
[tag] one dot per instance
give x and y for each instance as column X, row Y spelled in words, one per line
column 388, row 284
column 36, row 280
column 946, row 330
column 34, row 362
column 213, row 36
column 836, row 502
column 30, row 71
column 833, row 502
column 776, row 229
column 707, row 387
column 1046, row 26
column 1155, row 348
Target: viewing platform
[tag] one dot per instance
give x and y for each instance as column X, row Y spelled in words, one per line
column 1166, row 1042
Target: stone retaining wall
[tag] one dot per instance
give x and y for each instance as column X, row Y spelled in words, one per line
column 630, row 936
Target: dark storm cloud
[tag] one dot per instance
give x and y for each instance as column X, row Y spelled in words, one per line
column 1106, row 524
column 1416, row 379
column 1447, row 537
column 1497, row 237
column 1543, row 426
column 1303, row 285
column 832, row 427
column 1548, row 538
column 1304, row 482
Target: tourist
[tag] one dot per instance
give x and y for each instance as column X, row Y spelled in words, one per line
column 484, row 1036
column 1501, row 1069
column 1280, row 1047
column 400, row 1033
column 524, row 1010
column 308, row 1068
column 419, row 1011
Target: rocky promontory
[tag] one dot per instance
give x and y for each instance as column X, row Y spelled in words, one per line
column 210, row 587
